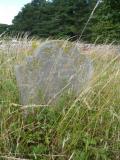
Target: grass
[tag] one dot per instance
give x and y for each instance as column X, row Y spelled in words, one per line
column 86, row 127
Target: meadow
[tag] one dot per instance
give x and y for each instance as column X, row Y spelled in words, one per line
column 86, row 127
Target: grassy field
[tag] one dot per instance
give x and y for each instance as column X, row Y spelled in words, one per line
column 86, row 127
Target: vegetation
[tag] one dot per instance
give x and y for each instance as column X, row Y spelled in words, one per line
column 86, row 127
column 80, row 128
column 56, row 18
column 67, row 18
column 107, row 22
column 3, row 28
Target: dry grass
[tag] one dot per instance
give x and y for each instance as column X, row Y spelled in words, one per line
column 80, row 128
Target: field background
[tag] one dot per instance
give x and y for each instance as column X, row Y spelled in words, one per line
column 86, row 127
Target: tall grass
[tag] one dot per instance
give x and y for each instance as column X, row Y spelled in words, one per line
column 86, row 127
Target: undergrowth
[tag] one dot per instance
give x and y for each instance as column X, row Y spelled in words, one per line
column 86, row 127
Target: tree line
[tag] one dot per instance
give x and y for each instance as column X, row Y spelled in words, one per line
column 67, row 18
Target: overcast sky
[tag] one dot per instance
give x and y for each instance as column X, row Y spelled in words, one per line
column 9, row 9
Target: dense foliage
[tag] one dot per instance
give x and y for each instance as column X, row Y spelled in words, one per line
column 3, row 28
column 107, row 22
column 67, row 18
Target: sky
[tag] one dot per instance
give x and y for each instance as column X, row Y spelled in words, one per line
column 9, row 9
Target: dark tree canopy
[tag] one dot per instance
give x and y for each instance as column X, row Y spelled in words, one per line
column 3, row 28
column 107, row 21
column 56, row 18
column 67, row 18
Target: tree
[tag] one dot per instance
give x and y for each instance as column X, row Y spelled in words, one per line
column 67, row 18
column 3, row 28
column 70, row 17
column 106, row 22
column 55, row 18
column 32, row 18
